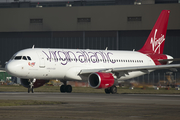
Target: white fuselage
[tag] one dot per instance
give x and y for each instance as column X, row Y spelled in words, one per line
column 65, row 64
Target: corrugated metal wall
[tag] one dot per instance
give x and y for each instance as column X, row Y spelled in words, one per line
column 114, row 40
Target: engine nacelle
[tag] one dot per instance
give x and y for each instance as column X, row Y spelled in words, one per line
column 37, row 83
column 101, row 80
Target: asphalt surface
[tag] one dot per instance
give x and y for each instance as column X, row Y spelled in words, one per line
column 90, row 97
column 89, row 106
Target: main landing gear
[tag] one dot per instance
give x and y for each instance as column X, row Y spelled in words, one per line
column 30, row 88
column 112, row 90
column 66, row 88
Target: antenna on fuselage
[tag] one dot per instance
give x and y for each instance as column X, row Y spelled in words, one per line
column 33, row 46
column 106, row 48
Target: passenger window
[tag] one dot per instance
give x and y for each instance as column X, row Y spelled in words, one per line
column 18, row 57
column 28, row 58
column 24, row 58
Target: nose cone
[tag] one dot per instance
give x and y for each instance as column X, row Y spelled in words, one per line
column 10, row 69
column 14, row 69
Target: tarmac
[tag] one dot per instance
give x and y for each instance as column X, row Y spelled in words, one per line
column 90, row 106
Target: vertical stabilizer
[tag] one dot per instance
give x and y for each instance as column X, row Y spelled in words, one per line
column 155, row 42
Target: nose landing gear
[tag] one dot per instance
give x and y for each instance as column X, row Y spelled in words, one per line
column 30, row 88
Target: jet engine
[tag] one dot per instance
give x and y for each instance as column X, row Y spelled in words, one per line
column 36, row 84
column 101, row 80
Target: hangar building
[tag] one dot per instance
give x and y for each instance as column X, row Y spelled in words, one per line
column 84, row 24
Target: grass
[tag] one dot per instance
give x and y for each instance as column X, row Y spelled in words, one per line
column 11, row 88
column 27, row 102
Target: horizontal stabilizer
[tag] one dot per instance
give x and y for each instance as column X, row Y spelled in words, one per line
column 166, row 60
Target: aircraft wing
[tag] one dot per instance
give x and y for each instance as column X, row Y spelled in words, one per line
column 130, row 69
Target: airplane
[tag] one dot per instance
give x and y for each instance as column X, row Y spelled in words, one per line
column 103, row 69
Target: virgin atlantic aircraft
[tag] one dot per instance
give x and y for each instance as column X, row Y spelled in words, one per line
column 101, row 68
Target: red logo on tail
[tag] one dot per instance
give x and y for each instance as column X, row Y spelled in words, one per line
column 156, row 43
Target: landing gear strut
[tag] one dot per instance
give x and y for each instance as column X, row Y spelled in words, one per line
column 31, row 89
column 66, row 88
column 112, row 90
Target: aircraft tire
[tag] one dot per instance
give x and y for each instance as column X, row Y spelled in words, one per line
column 113, row 89
column 29, row 89
column 32, row 90
column 107, row 90
column 68, row 88
column 62, row 88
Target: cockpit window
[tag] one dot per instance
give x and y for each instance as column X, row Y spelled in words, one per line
column 21, row 57
column 12, row 57
column 28, row 58
column 24, row 58
column 18, row 57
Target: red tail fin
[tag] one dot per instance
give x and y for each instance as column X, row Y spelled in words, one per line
column 155, row 42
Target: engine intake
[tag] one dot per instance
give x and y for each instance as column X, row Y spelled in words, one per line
column 101, row 80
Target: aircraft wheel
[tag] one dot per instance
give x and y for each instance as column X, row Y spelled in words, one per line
column 62, row 88
column 107, row 91
column 68, row 88
column 29, row 89
column 113, row 89
column 32, row 90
